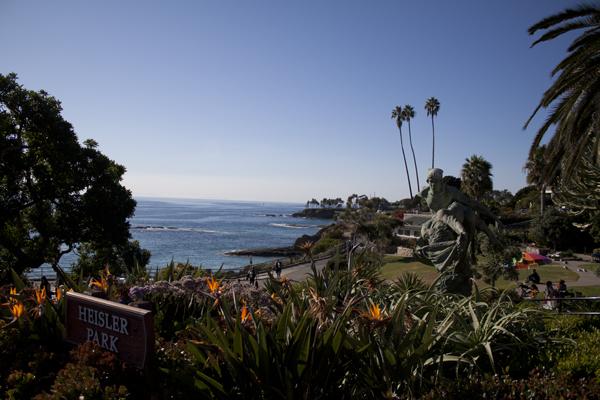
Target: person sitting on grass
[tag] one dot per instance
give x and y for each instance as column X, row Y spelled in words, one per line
column 534, row 277
column 533, row 291
column 562, row 289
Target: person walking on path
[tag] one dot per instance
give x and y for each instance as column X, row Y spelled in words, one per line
column 278, row 269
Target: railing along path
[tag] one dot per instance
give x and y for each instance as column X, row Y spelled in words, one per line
column 562, row 304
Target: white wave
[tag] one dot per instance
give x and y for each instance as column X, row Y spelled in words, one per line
column 291, row 226
column 151, row 228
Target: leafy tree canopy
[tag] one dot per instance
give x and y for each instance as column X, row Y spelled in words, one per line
column 476, row 177
column 122, row 258
column 55, row 193
column 556, row 228
column 523, row 196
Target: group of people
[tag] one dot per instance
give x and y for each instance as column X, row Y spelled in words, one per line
column 252, row 274
column 550, row 291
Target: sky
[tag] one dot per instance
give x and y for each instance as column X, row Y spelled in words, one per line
column 270, row 100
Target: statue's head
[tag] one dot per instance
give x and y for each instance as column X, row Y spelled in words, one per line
column 435, row 175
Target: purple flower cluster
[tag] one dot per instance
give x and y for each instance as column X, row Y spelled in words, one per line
column 186, row 285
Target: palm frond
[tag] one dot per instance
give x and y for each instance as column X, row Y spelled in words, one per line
column 554, row 33
column 568, row 14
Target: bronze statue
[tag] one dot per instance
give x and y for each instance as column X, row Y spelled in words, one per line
column 448, row 238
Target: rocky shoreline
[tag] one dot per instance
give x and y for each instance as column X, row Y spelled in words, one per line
column 318, row 213
column 266, row 252
column 286, row 251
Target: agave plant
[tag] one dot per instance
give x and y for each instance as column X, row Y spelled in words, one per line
column 293, row 360
column 489, row 334
column 339, row 334
column 393, row 355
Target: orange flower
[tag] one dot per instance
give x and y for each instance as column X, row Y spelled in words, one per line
column 101, row 284
column 213, row 285
column 40, row 296
column 285, row 282
column 17, row 310
column 306, row 246
column 13, row 293
column 374, row 313
column 104, row 281
column 58, row 294
column 246, row 316
column 276, row 298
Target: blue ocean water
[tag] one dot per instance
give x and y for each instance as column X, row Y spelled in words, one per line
column 201, row 231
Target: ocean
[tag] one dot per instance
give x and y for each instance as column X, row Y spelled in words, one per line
column 201, row 231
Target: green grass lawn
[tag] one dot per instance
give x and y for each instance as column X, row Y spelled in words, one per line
column 395, row 266
column 552, row 273
column 586, row 291
column 591, row 267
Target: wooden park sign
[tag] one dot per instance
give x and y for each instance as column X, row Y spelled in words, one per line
column 124, row 330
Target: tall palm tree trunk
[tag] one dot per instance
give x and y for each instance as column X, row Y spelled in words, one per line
column 414, row 158
column 405, row 164
column 433, row 144
column 542, row 193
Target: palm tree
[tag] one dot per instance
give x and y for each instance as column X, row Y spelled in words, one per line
column 476, row 177
column 432, row 106
column 535, row 168
column 397, row 115
column 409, row 113
column 573, row 152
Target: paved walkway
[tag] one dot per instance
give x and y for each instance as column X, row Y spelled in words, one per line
column 296, row 273
column 588, row 278
column 300, row 272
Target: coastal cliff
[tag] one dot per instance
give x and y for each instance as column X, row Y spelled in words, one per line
column 320, row 213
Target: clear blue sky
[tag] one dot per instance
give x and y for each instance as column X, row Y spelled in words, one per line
column 281, row 100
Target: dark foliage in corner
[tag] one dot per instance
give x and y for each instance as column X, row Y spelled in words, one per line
column 55, row 193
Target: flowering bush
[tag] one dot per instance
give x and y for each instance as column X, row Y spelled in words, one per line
column 341, row 333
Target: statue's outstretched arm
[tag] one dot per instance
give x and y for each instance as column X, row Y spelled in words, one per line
column 422, row 194
column 473, row 204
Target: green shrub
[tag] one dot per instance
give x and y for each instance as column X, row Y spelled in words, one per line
column 123, row 259
column 22, row 355
column 325, row 244
column 175, row 271
column 570, row 326
column 336, row 262
column 538, row 385
column 347, row 334
column 583, row 359
column 566, row 254
column 92, row 373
